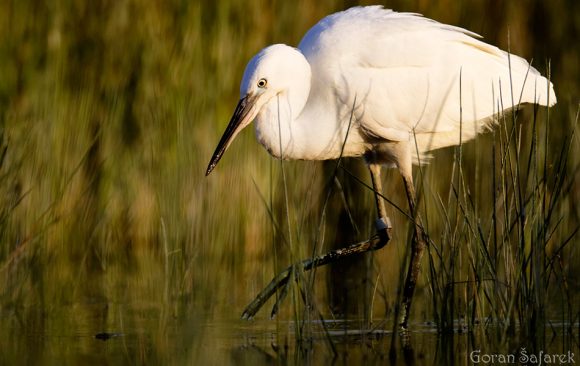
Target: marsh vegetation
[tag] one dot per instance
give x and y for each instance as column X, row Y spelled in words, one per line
column 109, row 112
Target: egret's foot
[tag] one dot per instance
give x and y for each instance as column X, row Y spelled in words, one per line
column 406, row 343
column 404, row 316
column 280, row 283
column 283, row 292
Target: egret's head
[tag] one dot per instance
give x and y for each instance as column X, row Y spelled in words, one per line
column 275, row 70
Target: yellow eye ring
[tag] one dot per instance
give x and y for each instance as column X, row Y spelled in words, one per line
column 262, row 83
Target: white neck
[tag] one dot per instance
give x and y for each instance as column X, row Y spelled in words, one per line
column 311, row 133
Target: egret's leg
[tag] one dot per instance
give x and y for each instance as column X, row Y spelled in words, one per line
column 417, row 248
column 376, row 242
column 383, row 223
column 378, row 187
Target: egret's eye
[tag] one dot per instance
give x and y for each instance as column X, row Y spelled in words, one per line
column 262, row 83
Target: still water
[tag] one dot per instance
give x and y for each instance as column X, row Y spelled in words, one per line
column 115, row 249
column 116, row 334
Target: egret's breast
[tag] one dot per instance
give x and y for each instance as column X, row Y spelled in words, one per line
column 273, row 131
column 309, row 140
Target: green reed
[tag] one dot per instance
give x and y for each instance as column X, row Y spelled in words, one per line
column 498, row 260
column 109, row 112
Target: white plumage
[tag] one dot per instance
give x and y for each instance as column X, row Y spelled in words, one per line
column 376, row 83
column 386, row 86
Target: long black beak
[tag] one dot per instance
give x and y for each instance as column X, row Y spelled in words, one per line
column 237, row 123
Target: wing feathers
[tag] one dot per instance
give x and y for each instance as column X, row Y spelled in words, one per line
column 417, row 76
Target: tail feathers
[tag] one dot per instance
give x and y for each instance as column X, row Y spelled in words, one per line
column 529, row 86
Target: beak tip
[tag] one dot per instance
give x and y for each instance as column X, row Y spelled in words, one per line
column 209, row 169
column 241, row 114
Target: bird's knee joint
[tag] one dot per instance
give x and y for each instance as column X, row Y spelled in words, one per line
column 383, row 226
column 383, row 223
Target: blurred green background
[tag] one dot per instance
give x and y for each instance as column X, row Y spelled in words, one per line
column 109, row 113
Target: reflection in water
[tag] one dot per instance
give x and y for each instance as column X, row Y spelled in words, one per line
column 141, row 335
column 115, row 249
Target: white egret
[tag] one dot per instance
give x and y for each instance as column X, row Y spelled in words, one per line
column 382, row 85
